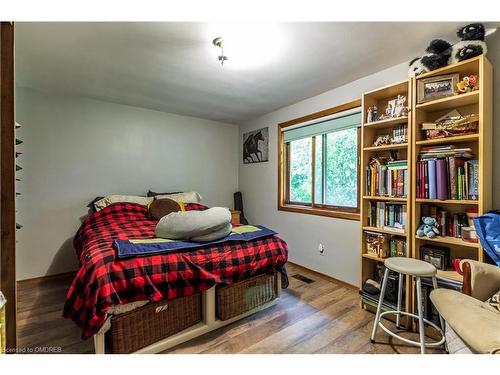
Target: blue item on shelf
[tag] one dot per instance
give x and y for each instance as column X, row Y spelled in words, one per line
column 488, row 231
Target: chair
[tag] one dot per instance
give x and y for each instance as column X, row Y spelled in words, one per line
column 467, row 316
column 418, row 269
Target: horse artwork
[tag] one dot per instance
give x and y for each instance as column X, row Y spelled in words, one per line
column 256, row 146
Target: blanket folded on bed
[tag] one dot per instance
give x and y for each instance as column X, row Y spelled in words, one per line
column 141, row 247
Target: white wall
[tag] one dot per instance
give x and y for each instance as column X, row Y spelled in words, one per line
column 76, row 149
column 258, row 182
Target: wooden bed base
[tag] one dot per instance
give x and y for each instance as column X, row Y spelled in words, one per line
column 209, row 323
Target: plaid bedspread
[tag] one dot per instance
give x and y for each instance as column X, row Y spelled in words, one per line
column 104, row 280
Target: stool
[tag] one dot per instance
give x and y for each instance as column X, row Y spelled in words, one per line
column 415, row 268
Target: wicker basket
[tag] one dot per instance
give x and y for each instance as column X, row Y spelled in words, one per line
column 152, row 322
column 238, row 298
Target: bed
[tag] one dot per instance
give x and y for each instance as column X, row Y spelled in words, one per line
column 103, row 282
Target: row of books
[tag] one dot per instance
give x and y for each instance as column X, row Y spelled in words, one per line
column 389, row 216
column 446, row 173
column 400, row 134
column 389, row 179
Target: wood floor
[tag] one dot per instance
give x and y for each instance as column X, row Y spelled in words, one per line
column 321, row 317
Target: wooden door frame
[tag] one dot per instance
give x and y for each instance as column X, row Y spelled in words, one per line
column 7, row 182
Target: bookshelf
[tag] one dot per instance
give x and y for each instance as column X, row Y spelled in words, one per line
column 480, row 143
column 375, row 198
column 478, row 102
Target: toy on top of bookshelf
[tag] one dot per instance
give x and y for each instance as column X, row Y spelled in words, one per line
column 451, row 124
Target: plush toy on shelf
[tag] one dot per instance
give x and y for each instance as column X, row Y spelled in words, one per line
column 468, row 84
column 472, row 43
column 437, row 56
column 428, row 228
column 441, row 53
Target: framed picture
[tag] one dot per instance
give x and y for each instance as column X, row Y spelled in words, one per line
column 256, row 146
column 436, row 87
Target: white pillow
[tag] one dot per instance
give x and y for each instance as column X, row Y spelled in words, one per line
column 106, row 201
column 188, row 197
column 191, row 224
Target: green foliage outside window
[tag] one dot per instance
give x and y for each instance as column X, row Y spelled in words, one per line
column 341, row 169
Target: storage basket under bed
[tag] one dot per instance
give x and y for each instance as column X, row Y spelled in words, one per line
column 152, row 322
column 243, row 296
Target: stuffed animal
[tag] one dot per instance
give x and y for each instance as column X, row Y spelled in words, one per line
column 472, row 43
column 441, row 53
column 468, row 84
column 437, row 56
column 428, row 227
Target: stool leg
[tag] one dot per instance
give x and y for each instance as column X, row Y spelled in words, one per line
column 420, row 316
column 379, row 306
column 400, row 296
column 435, row 286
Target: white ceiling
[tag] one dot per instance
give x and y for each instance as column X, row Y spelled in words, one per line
column 172, row 67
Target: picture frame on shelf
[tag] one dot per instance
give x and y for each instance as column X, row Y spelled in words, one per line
column 436, row 87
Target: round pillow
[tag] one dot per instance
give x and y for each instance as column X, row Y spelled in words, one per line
column 161, row 207
column 193, row 224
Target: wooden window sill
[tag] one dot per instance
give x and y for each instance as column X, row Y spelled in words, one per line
column 319, row 211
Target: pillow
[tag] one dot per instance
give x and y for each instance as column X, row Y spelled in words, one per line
column 188, row 197
column 192, row 224
column 214, row 236
column 154, row 194
column 162, row 207
column 91, row 205
column 110, row 199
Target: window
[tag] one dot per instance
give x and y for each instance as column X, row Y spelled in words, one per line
column 319, row 163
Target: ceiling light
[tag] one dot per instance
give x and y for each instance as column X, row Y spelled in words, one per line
column 247, row 45
column 218, row 42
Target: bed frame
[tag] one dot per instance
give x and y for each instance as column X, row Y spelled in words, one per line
column 209, row 323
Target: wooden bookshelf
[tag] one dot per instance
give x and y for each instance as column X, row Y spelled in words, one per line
column 479, row 102
column 369, row 131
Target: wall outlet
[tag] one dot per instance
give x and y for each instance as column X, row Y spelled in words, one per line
column 321, row 249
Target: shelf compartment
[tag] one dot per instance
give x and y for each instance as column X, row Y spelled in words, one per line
column 387, row 123
column 447, row 201
column 382, row 198
column 450, row 102
column 385, row 231
column 455, row 139
column 395, row 146
column 447, row 240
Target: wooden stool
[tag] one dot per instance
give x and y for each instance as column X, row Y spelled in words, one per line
column 415, row 268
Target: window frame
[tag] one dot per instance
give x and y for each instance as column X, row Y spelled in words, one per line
column 351, row 213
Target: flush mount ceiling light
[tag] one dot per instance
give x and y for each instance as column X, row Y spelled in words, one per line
column 246, row 46
column 219, row 42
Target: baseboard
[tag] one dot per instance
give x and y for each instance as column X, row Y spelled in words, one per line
column 346, row 284
column 39, row 279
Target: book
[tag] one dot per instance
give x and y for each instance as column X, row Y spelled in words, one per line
column 473, row 176
column 432, row 179
column 441, row 179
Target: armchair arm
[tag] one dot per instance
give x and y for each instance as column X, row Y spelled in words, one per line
column 481, row 280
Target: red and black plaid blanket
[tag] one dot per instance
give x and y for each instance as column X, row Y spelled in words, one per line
column 104, row 280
